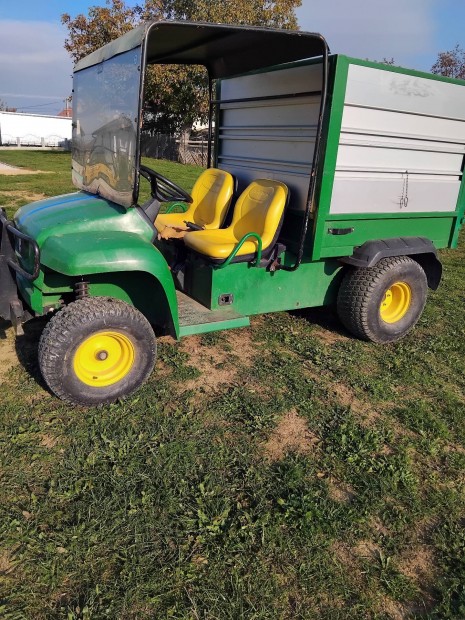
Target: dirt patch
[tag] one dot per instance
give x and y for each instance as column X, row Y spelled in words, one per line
column 419, row 565
column 24, row 195
column 344, row 554
column 340, row 491
column 367, row 549
column 214, row 364
column 328, row 336
column 8, row 170
column 290, row 435
column 453, row 447
column 6, row 565
column 47, row 441
column 378, row 526
column 392, row 609
column 218, row 364
column 242, row 346
column 8, row 357
column 347, row 398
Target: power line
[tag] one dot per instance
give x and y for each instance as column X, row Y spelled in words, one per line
column 40, row 105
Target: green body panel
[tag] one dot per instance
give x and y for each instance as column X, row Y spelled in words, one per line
column 42, row 296
column 84, row 237
column 214, row 326
column 460, row 214
column 72, row 255
column 331, row 130
column 31, row 293
column 256, row 290
column 78, row 213
column 437, row 229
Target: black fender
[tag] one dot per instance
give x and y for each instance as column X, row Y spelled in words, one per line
column 421, row 249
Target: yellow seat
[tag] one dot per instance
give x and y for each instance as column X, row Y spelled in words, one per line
column 259, row 209
column 212, row 193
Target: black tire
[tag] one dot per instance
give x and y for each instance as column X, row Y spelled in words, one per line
column 69, row 352
column 363, row 291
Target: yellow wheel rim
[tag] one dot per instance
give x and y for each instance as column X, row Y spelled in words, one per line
column 396, row 302
column 104, row 359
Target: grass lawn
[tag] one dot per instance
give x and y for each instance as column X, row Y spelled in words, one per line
column 278, row 472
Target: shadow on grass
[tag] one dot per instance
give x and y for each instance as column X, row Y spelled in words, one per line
column 324, row 317
column 27, row 346
column 4, row 325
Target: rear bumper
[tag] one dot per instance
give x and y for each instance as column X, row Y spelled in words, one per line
column 11, row 307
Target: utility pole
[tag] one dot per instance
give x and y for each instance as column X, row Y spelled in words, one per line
column 67, row 102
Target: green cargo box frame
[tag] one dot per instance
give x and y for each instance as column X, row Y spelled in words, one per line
column 373, row 156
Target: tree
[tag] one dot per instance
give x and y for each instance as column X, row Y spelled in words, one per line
column 176, row 96
column 451, row 63
column 4, row 107
column 102, row 25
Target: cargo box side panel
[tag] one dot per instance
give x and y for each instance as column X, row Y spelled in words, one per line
column 267, row 127
column 400, row 157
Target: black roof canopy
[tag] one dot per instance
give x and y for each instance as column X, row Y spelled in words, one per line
column 225, row 50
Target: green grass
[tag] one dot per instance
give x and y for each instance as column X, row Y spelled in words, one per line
column 19, row 190
column 170, row 504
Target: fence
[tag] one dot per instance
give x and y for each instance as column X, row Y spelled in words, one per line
column 18, row 129
column 32, row 140
column 183, row 150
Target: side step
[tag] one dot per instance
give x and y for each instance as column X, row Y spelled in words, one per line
column 197, row 319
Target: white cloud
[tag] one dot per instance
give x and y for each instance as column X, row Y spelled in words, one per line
column 35, row 67
column 372, row 29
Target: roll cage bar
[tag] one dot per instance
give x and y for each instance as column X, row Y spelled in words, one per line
column 225, row 51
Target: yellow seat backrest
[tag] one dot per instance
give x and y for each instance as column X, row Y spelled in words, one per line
column 211, row 197
column 212, row 193
column 260, row 209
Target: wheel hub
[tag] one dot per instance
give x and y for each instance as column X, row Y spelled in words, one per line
column 104, row 358
column 396, row 302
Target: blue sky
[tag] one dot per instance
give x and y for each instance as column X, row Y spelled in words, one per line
column 35, row 70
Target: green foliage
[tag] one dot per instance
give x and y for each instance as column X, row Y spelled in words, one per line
column 176, row 96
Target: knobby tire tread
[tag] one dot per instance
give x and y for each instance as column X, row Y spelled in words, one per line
column 60, row 327
column 356, row 291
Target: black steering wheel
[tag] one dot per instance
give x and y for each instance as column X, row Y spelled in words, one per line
column 162, row 189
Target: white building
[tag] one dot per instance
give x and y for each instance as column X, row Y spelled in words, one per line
column 19, row 129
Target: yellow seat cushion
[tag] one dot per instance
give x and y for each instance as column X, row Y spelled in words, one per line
column 218, row 243
column 211, row 197
column 258, row 209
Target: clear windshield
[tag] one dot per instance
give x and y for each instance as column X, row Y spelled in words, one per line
column 105, row 112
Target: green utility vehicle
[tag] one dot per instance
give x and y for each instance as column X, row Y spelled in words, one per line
column 330, row 181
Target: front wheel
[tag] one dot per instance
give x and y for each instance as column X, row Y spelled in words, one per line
column 383, row 303
column 96, row 350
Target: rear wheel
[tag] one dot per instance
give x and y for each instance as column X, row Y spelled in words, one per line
column 96, row 350
column 383, row 303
